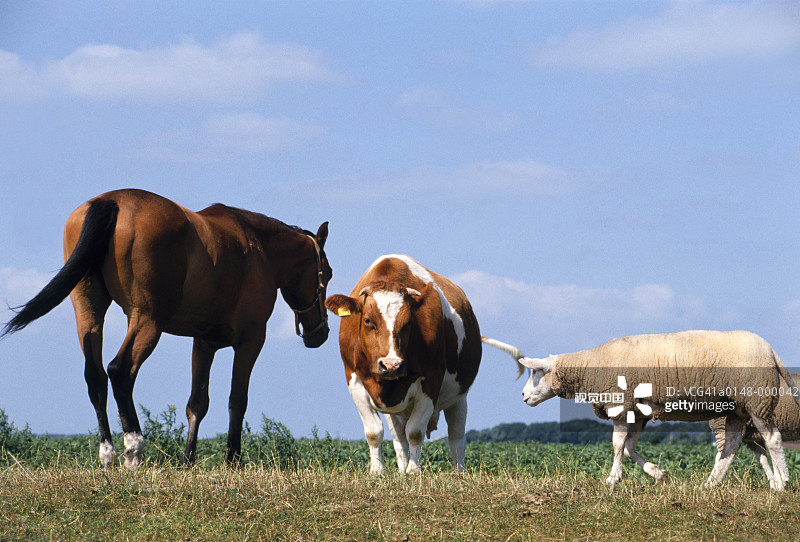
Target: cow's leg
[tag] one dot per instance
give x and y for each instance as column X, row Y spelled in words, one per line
column 618, row 439
column 91, row 300
column 416, row 426
column 774, row 444
column 761, row 456
column 244, row 358
column 630, row 451
column 397, row 428
column 141, row 339
column 373, row 425
column 197, row 407
column 456, row 417
column 733, row 438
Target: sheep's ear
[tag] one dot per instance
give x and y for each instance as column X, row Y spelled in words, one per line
column 539, row 364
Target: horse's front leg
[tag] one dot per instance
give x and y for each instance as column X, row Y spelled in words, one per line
column 244, row 358
column 197, row 407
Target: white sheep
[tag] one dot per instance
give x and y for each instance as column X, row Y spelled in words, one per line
column 787, row 418
column 691, row 375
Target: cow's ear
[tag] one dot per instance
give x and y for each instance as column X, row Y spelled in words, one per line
column 419, row 298
column 341, row 305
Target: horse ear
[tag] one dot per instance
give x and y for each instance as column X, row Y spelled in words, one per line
column 322, row 234
column 342, row 305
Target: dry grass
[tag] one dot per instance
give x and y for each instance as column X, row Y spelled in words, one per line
column 255, row 503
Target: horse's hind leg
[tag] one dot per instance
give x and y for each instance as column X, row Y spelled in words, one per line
column 197, row 407
column 90, row 300
column 141, row 339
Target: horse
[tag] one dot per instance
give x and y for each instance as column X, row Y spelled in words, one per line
column 212, row 275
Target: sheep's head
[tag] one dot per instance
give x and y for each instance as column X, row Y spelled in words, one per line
column 539, row 385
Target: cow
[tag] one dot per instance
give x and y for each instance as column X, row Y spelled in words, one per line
column 411, row 348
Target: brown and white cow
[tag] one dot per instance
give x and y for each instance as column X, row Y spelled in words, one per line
column 411, row 348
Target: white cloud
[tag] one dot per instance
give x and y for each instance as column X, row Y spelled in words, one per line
column 518, row 178
column 569, row 315
column 568, row 302
column 685, row 33
column 444, row 110
column 239, row 67
column 17, row 286
column 521, row 177
column 225, row 136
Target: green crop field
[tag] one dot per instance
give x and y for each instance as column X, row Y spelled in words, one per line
column 318, row 489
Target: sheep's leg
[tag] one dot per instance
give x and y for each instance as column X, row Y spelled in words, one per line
column 719, row 441
column 630, row 451
column 618, row 439
column 733, row 438
column 774, row 443
column 759, row 450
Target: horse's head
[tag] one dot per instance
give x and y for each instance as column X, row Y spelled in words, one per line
column 309, row 291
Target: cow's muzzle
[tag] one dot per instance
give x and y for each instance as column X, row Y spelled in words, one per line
column 391, row 368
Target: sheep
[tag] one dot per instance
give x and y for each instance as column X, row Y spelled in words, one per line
column 689, row 375
column 787, row 418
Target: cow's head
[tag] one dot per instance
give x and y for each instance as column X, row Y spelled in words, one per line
column 539, row 387
column 388, row 315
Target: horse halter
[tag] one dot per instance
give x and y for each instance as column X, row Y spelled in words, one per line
column 318, row 303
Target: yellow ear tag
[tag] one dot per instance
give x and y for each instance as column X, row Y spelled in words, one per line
column 343, row 312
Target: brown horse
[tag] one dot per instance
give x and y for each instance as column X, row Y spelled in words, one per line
column 211, row 275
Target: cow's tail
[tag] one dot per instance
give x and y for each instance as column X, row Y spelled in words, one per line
column 513, row 350
column 88, row 256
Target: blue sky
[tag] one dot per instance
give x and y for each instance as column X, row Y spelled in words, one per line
column 584, row 170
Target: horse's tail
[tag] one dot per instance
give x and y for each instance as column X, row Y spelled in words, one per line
column 86, row 257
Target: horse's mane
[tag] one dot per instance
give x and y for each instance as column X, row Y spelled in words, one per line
column 257, row 221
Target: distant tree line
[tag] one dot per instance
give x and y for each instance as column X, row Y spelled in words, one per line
column 589, row 431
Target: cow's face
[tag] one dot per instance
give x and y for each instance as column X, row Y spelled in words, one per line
column 387, row 320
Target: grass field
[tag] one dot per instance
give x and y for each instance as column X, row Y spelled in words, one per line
column 257, row 503
column 319, row 489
